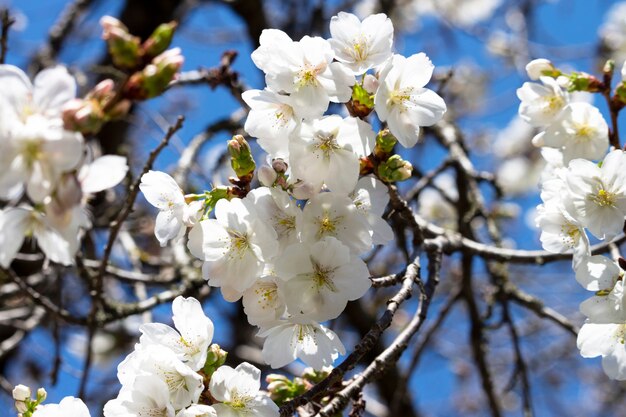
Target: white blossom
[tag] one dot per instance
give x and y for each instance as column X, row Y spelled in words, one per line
column 192, row 337
column 264, row 301
column 162, row 191
column 371, row 197
column 403, row 102
column 541, row 103
column 234, row 246
column 321, row 278
column 271, row 120
column 17, row 223
column 298, row 337
column 361, row 45
column 580, row 132
column 183, row 383
column 598, row 194
column 237, row 391
column 35, row 149
column 68, row 407
column 327, row 151
column 303, row 69
column 333, row 214
column 197, row 410
column 147, row 397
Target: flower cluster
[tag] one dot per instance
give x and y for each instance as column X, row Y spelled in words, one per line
column 171, row 373
column 178, row 372
column 581, row 196
column 291, row 248
column 47, row 176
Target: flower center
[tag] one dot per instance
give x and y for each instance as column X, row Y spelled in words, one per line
column 322, row 276
column 238, row 401
column 570, row 234
column 307, row 76
column 267, row 295
column 327, row 143
column 603, row 198
column 360, row 48
column 239, row 243
column 32, row 152
column 554, row 102
column 399, row 98
column 327, row 225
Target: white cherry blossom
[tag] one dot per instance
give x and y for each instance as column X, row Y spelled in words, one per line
column 237, row 391
column 403, row 102
column 371, row 197
column 541, row 103
column 162, row 191
column 17, row 223
column 361, row 45
column 235, row 245
column 298, row 337
column 580, row 132
column 264, row 301
column 147, row 397
column 271, row 120
column 192, row 337
column 276, row 208
column 598, row 194
column 321, row 278
column 303, row 69
column 327, row 151
column 34, row 146
column 68, row 407
column 183, row 383
column 333, row 214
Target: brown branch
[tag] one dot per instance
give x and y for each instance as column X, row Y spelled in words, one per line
column 58, row 34
column 396, row 348
column 6, row 21
column 364, row 346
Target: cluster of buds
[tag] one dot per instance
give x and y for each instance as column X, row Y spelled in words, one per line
column 387, row 166
column 101, row 104
column 127, row 51
column 24, row 404
column 150, row 64
column 283, row 389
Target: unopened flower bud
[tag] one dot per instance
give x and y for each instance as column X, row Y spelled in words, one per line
column 370, row 83
column 279, row 165
column 83, row 116
column 316, row 376
column 215, row 358
column 21, row 392
column 21, row 406
column 241, row 156
column 624, row 72
column 303, row 190
column 395, row 169
column 102, row 90
column 538, row 68
column 121, row 109
column 385, row 142
column 267, row 176
column 123, row 47
column 160, row 40
column 41, row 395
column 156, row 76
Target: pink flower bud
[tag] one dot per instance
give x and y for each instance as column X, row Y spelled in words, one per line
column 303, row 190
column 370, row 83
column 267, row 176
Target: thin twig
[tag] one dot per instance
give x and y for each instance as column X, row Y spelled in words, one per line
column 6, row 21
